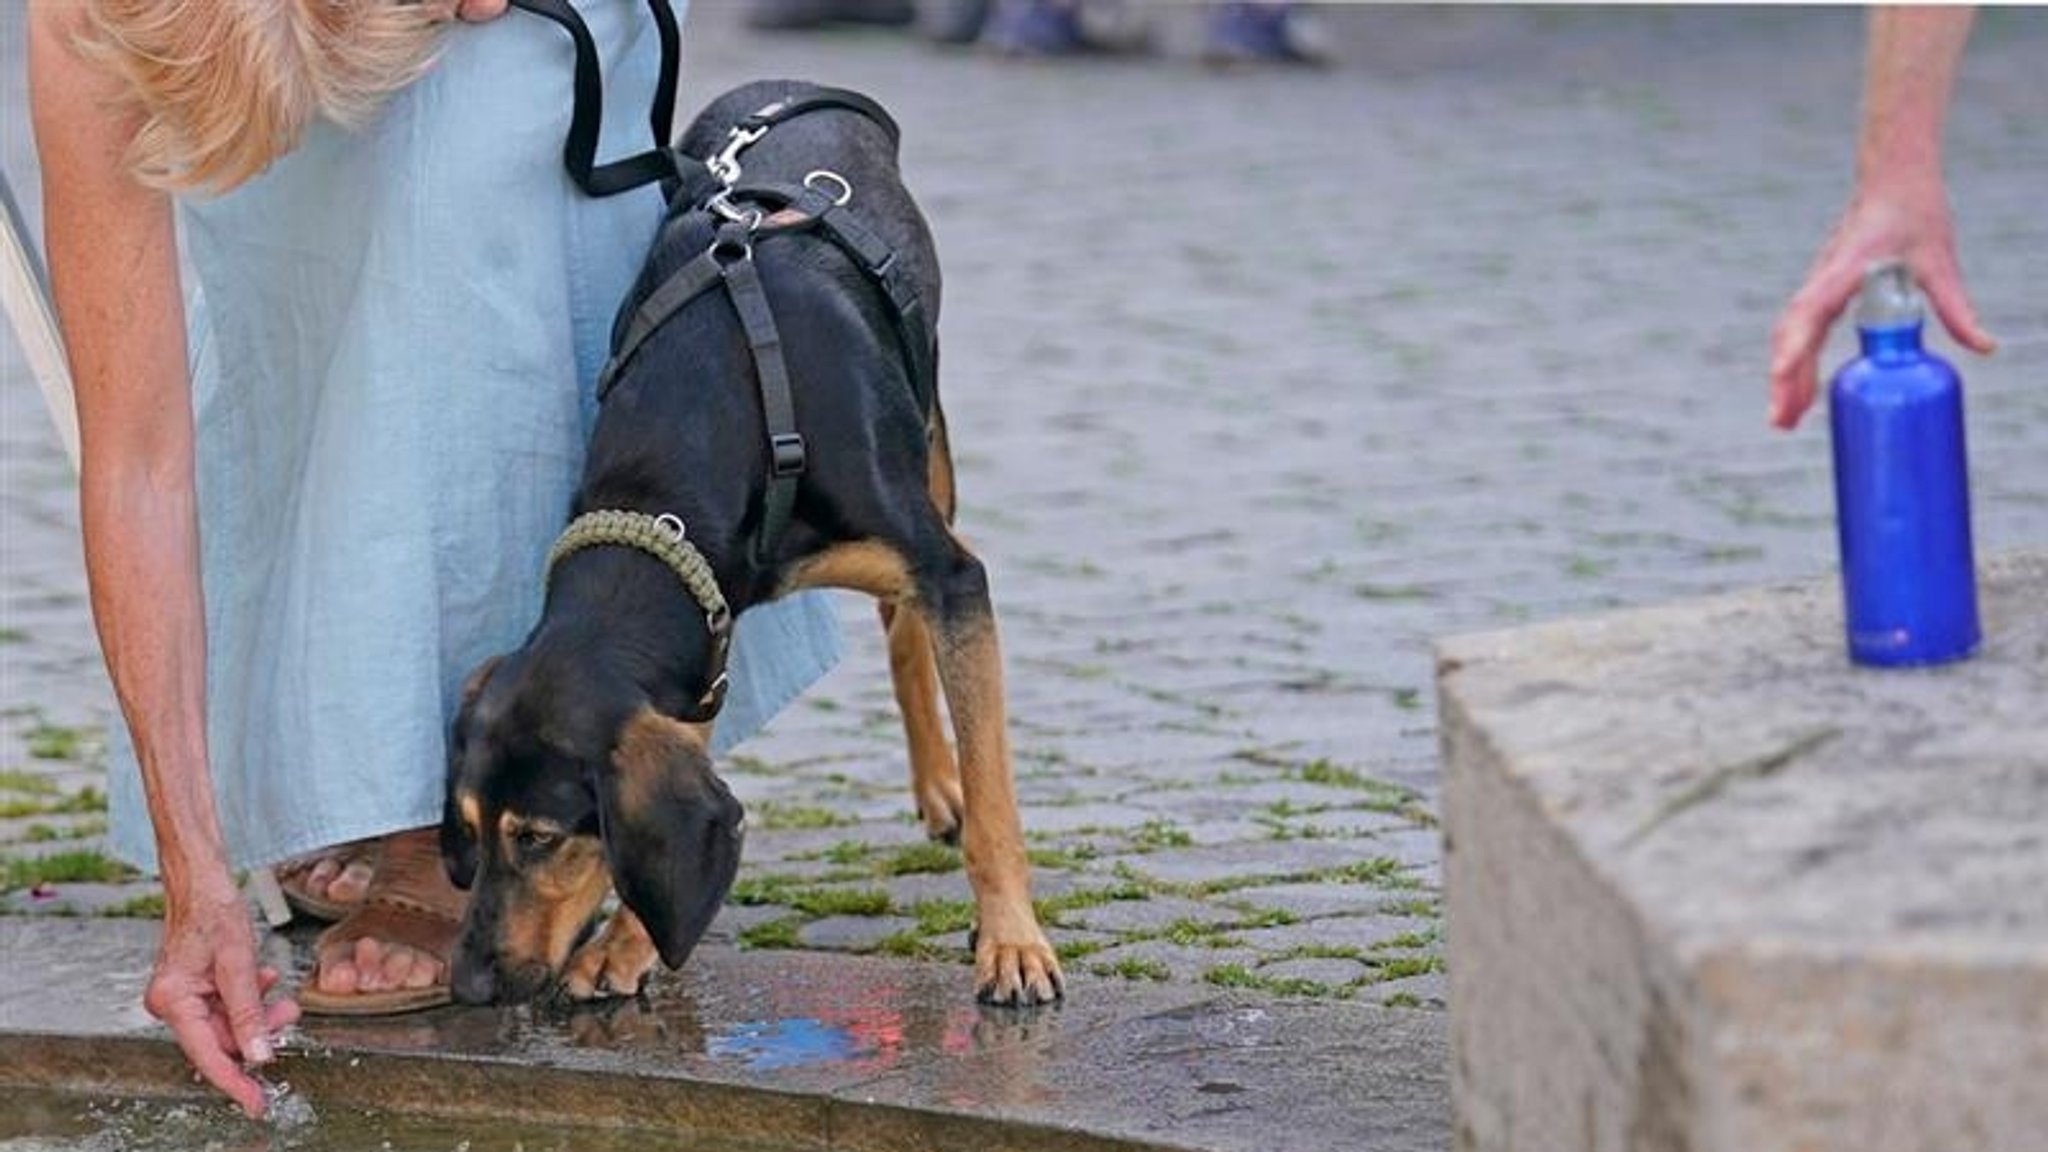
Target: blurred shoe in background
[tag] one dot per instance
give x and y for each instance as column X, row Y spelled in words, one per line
column 797, row 15
column 1265, row 32
column 953, row 21
column 1065, row 28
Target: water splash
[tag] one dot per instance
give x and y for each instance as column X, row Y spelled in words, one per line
column 286, row 1110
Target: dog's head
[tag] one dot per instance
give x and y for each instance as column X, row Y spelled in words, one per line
column 558, row 789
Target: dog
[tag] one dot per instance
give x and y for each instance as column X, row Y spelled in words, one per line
column 579, row 762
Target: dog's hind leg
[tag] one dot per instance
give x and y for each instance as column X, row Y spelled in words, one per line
column 1013, row 962
column 934, row 776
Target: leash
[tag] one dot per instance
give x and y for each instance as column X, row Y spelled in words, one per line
column 579, row 152
column 740, row 215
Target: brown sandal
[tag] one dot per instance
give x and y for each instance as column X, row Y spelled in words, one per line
column 293, row 874
column 410, row 903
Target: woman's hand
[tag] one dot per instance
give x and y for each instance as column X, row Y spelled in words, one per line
column 1900, row 209
column 478, row 11
column 208, row 989
column 1908, row 221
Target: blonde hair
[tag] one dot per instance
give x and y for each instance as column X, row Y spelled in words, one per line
column 227, row 86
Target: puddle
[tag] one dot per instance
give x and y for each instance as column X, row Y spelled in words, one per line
column 33, row 1121
column 789, row 1044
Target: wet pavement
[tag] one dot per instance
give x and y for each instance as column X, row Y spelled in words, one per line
column 1258, row 383
column 787, row 1051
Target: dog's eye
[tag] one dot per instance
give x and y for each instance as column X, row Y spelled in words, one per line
column 538, row 840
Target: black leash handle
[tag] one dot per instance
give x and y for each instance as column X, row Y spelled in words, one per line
column 579, row 154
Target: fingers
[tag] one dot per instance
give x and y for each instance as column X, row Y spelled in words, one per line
column 1801, row 331
column 1905, row 221
column 1943, row 283
column 278, row 1014
column 200, row 1037
column 235, row 983
column 478, row 11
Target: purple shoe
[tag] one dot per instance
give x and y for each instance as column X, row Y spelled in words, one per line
column 1264, row 33
column 1034, row 28
column 1064, row 28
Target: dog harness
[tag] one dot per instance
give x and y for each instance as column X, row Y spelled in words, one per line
column 741, row 214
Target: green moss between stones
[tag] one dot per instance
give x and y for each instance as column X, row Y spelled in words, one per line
column 80, row 866
column 772, row 933
column 148, row 906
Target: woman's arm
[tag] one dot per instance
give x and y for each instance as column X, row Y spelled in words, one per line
column 114, row 275
column 1899, row 208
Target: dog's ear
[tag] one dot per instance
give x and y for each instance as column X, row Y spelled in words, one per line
column 671, row 830
column 458, row 846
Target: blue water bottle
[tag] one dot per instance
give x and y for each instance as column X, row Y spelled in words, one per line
column 1902, row 487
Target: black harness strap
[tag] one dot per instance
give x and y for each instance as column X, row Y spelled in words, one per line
column 823, row 211
column 791, row 107
column 692, row 280
column 778, row 407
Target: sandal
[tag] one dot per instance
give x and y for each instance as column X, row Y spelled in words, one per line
column 410, row 903
column 292, row 876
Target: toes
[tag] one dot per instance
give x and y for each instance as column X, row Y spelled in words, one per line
column 424, row 973
column 338, row 976
column 1019, row 975
column 579, row 983
column 321, row 875
column 368, row 957
column 397, row 969
column 350, row 883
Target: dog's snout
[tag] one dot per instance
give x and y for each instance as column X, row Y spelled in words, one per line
column 474, row 981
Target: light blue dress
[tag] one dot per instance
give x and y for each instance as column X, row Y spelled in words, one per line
column 395, row 334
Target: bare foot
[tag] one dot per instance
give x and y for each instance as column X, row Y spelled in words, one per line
column 327, row 885
column 391, row 953
column 340, row 876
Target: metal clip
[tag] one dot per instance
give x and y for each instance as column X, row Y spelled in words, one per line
column 726, row 165
column 721, row 205
column 671, row 523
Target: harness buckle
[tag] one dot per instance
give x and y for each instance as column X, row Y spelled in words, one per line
column 786, row 452
column 826, row 175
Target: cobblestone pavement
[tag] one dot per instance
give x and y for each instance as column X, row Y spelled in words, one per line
column 1259, row 382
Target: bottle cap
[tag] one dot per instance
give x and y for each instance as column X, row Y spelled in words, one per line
column 1889, row 299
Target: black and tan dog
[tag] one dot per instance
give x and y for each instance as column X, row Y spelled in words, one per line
column 570, row 771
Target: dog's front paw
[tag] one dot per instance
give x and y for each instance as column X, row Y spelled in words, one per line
column 1019, row 969
column 615, row 963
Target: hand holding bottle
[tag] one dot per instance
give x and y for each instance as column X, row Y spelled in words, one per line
column 1905, row 219
column 1899, row 211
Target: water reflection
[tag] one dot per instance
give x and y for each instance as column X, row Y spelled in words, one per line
column 768, row 1045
